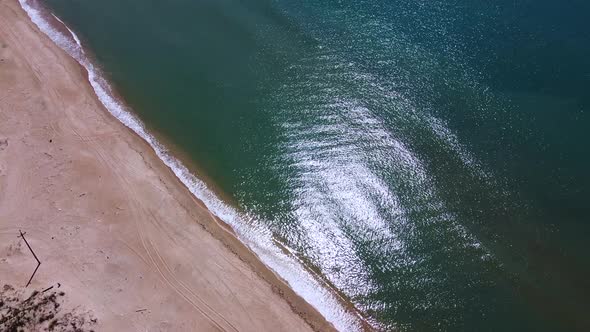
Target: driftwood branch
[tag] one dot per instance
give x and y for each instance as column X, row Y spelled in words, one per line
column 46, row 289
column 32, row 252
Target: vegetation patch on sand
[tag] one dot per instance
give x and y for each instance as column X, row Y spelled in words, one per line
column 40, row 311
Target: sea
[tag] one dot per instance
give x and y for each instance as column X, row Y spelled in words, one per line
column 405, row 165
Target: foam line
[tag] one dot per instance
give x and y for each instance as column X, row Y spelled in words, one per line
column 257, row 238
column 71, row 32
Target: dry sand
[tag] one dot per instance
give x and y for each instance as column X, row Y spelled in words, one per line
column 107, row 218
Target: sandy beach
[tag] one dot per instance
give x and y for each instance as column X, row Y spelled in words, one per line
column 109, row 221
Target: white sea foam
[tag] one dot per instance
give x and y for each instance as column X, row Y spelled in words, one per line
column 71, row 32
column 258, row 238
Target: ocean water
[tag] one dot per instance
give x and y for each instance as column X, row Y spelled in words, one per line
column 427, row 160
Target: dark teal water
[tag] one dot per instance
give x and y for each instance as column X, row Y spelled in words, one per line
column 430, row 158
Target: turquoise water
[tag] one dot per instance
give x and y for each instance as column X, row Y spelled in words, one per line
column 429, row 158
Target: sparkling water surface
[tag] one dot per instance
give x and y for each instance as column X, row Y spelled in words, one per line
column 429, row 159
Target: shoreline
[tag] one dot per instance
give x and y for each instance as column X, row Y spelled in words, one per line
column 214, row 225
column 184, row 168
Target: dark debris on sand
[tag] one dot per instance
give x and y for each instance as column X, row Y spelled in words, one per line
column 40, row 311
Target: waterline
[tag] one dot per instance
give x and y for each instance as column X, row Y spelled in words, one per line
column 259, row 239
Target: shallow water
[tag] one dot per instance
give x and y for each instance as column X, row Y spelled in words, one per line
column 428, row 158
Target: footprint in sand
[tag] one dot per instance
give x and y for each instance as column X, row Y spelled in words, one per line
column 3, row 144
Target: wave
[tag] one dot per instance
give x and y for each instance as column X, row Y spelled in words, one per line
column 257, row 237
column 78, row 42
